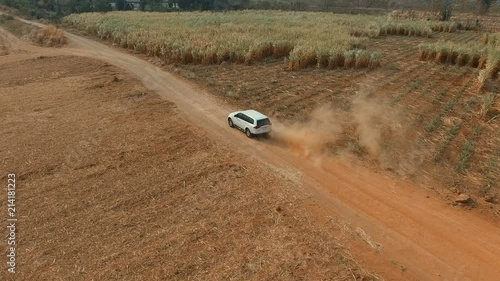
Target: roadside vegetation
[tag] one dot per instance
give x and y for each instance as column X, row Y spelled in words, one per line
column 468, row 150
column 50, row 36
column 492, row 39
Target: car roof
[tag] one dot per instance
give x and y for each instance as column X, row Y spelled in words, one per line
column 254, row 114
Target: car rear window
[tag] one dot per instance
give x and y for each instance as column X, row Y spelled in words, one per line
column 263, row 122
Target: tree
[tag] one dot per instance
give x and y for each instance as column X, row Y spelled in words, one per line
column 58, row 8
column 102, row 6
column 142, row 5
column 485, row 5
column 230, row 4
column 120, row 5
column 444, row 7
column 212, row 4
column 156, row 5
column 78, row 6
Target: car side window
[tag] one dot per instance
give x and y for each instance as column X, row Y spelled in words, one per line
column 247, row 118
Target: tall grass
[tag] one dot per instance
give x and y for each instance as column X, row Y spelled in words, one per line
column 489, row 100
column 49, row 36
column 450, row 135
column 492, row 172
column 438, row 119
column 444, row 26
column 414, row 15
column 470, row 54
column 468, row 150
column 305, row 39
column 406, row 29
column 386, row 28
column 492, row 39
column 415, row 85
column 432, row 19
column 4, row 18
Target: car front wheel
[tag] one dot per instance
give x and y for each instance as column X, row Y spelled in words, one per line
column 230, row 122
column 248, row 133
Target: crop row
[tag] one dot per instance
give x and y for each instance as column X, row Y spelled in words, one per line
column 473, row 55
column 304, row 39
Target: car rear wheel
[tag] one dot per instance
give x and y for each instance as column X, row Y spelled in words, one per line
column 230, row 122
column 248, row 133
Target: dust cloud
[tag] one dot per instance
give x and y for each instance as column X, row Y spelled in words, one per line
column 373, row 123
column 378, row 124
column 311, row 137
column 369, row 118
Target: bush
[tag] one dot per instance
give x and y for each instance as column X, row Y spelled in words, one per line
column 49, row 36
column 4, row 18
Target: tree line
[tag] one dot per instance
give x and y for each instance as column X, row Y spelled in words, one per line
column 54, row 9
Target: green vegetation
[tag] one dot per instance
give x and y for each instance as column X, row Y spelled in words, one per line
column 450, row 135
column 427, row 90
column 445, row 26
column 438, row 119
column 488, row 101
column 55, row 9
column 468, row 150
column 492, row 39
column 439, row 97
column 5, row 18
column 492, row 170
column 413, row 86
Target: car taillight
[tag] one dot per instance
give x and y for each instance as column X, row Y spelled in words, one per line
column 256, row 127
column 270, row 123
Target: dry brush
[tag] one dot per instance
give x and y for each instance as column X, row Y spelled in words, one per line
column 475, row 55
column 304, row 39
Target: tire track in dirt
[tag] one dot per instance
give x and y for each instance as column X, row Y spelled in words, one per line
column 4, row 45
column 434, row 241
column 8, row 42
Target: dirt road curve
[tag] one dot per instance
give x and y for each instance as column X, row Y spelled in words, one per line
column 420, row 238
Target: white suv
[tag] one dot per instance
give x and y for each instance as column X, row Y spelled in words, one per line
column 250, row 121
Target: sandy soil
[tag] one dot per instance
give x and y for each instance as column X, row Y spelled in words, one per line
column 413, row 237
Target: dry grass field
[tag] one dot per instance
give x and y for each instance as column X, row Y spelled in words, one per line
column 303, row 39
column 429, row 109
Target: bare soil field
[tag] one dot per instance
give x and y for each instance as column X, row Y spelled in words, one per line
column 395, row 229
column 114, row 184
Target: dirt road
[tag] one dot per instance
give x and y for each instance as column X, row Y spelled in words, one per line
column 414, row 236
